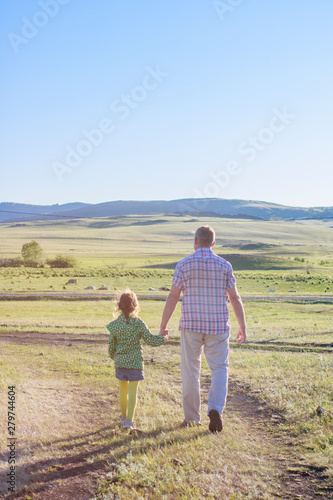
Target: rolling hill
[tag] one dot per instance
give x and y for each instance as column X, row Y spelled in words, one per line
column 212, row 207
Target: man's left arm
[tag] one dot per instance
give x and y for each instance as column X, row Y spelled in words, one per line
column 237, row 307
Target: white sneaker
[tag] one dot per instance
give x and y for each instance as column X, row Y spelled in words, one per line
column 128, row 424
column 122, row 419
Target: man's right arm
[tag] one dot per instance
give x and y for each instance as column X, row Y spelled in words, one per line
column 237, row 307
column 169, row 307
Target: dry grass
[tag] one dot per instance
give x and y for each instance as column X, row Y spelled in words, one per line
column 67, row 408
column 67, row 416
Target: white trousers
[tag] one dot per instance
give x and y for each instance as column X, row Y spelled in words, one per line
column 216, row 349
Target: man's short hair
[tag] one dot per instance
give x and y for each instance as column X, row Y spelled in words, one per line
column 205, row 235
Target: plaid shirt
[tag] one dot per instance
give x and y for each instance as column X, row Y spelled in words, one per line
column 204, row 279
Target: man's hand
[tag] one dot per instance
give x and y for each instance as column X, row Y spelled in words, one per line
column 169, row 307
column 240, row 336
column 237, row 307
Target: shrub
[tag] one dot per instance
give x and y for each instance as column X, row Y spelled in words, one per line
column 32, row 263
column 299, row 259
column 11, row 262
column 62, row 261
column 32, row 253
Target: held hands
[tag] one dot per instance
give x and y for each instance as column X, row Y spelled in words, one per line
column 240, row 336
column 165, row 333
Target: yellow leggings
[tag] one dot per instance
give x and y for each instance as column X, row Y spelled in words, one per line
column 128, row 392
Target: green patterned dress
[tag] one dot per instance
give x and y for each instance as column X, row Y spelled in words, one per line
column 125, row 342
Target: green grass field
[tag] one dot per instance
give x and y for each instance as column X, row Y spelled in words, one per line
column 140, row 253
column 141, row 279
column 274, row 443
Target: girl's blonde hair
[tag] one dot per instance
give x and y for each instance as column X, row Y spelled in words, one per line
column 128, row 304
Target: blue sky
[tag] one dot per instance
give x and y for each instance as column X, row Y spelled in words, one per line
column 106, row 100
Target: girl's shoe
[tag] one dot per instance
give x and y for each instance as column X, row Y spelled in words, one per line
column 128, row 424
column 122, row 419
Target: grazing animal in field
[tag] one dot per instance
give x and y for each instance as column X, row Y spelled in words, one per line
column 72, row 281
column 90, row 288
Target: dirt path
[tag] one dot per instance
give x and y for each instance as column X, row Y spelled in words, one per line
column 53, row 338
column 69, row 339
column 76, row 477
column 298, row 479
column 109, row 296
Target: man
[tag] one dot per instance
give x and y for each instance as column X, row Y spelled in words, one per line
column 207, row 281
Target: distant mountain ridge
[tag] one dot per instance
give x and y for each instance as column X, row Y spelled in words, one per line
column 17, row 212
column 212, row 207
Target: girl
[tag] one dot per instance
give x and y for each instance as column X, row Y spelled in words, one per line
column 126, row 334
